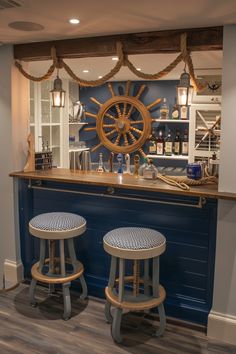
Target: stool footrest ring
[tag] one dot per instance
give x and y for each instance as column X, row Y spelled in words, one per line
column 135, row 306
column 36, row 274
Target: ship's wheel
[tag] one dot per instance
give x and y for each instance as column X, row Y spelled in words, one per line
column 123, row 122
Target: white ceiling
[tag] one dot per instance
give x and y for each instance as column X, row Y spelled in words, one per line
column 101, row 17
column 106, row 17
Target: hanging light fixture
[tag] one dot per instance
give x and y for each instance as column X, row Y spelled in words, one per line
column 57, row 93
column 184, row 90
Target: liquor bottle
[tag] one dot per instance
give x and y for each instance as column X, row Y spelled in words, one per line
column 150, row 172
column 175, row 111
column 152, row 145
column 143, row 166
column 160, row 144
column 101, row 167
column 185, row 143
column 183, row 112
column 164, row 110
column 177, row 143
column 169, row 144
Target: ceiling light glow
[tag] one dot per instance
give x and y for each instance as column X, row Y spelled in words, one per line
column 85, row 71
column 115, row 58
column 74, row 21
column 139, row 69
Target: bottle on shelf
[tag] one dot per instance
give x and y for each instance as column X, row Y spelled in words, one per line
column 101, row 167
column 164, row 110
column 160, row 144
column 152, row 143
column 150, row 172
column 175, row 111
column 183, row 112
column 185, row 143
column 168, row 144
column 143, row 166
column 177, row 143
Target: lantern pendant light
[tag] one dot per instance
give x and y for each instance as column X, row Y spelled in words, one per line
column 184, row 90
column 57, row 93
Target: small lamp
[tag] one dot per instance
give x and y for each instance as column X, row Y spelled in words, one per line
column 184, row 90
column 58, row 94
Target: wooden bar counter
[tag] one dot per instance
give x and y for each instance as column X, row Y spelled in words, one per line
column 188, row 220
column 127, row 182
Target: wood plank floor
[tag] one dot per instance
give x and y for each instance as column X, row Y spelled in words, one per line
column 28, row 330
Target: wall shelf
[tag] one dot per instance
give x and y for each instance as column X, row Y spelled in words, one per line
column 78, row 123
column 172, row 157
column 171, row 120
column 78, row 149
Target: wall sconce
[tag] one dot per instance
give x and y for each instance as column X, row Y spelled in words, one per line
column 184, row 90
column 57, row 93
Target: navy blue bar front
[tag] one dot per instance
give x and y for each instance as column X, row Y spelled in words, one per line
column 187, row 266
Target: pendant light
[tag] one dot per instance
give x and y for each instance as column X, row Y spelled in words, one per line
column 184, row 90
column 57, row 93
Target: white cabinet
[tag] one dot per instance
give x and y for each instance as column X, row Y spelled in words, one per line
column 205, row 122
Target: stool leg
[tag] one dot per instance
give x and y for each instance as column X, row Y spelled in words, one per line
column 155, row 277
column 74, row 261
column 115, row 327
column 116, row 323
column 146, row 277
column 111, row 284
column 84, row 294
column 162, row 318
column 72, row 254
column 67, row 303
column 62, row 258
column 34, row 281
column 161, row 310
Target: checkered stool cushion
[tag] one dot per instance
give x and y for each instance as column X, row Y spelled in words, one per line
column 57, row 225
column 134, row 242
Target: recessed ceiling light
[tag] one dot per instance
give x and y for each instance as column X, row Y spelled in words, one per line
column 25, row 26
column 85, row 71
column 139, row 69
column 74, row 21
column 115, row 58
column 100, row 76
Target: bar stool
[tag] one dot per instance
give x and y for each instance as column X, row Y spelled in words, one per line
column 135, row 244
column 60, row 227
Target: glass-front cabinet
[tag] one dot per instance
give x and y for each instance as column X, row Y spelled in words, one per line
column 48, row 124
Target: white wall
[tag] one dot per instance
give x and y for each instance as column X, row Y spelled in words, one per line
column 222, row 319
column 13, row 132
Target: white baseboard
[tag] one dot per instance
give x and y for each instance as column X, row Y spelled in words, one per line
column 222, row 327
column 13, row 272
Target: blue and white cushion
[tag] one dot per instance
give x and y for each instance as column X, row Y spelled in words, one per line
column 57, row 221
column 134, row 238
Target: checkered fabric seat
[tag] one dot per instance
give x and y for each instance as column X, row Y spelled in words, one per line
column 144, row 241
column 57, row 225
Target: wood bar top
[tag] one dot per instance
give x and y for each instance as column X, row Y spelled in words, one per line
column 128, row 182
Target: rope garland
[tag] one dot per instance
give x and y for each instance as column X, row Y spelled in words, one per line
column 59, row 63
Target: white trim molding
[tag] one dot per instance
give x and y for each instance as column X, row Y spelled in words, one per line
column 13, row 273
column 222, row 327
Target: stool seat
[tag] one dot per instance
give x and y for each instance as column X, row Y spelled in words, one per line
column 57, row 225
column 134, row 243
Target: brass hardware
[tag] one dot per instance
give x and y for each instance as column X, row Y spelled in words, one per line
column 110, row 194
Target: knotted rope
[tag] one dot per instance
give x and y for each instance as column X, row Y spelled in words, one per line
column 123, row 60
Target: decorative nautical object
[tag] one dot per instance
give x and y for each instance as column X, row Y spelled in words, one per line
column 123, row 122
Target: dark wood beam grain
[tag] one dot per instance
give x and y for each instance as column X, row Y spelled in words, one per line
column 200, row 39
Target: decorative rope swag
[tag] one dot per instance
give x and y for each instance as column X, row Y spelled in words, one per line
column 59, row 63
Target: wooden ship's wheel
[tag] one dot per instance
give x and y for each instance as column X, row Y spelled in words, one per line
column 123, row 122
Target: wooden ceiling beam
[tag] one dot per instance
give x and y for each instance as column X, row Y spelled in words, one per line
column 198, row 39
